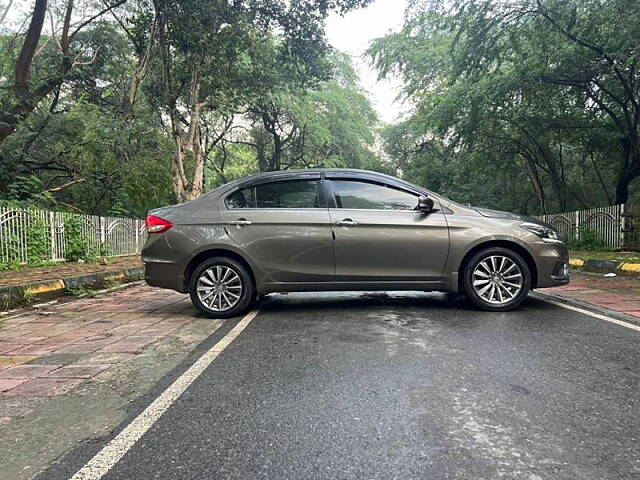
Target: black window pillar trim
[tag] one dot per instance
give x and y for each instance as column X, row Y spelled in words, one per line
column 329, row 193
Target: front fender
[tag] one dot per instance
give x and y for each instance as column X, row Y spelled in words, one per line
column 468, row 233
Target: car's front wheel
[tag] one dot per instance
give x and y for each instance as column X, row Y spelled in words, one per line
column 497, row 279
column 221, row 287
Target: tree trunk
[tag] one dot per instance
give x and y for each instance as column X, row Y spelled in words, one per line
column 261, row 150
column 31, row 40
column 276, row 158
column 532, row 172
column 559, row 189
column 630, row 172
column 143, row 63
column 197, row 183
column 186, row 142
column 622, row 187
column 24, row 102
column 269, row 121
column 557, row 183
column 22, row 108
column 178, row 179
column 605, row 190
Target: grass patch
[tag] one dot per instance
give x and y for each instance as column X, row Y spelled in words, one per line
column 16, row 266
column 627, row 257
column 76, row 291
column 12, row 266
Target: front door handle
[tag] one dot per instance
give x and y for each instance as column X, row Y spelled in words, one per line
column 241, row 222
column 347, row 222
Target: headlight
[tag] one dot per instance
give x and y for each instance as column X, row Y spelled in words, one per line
column 542, row 232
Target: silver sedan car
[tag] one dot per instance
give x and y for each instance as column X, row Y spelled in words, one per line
column 336, row 230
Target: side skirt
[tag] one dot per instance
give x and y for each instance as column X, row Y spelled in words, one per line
column 352, row 286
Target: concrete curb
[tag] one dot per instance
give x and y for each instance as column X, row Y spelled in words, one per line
column 15, row 296
column 606, row 266
column 587, row 306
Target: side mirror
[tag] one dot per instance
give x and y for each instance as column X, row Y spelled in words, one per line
column 425, row 204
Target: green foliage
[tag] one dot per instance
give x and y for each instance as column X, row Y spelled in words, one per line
column 77, row 291
column 38, row 241
column 519, row 105
column 78, row 244
column 526, row 105
column 588, row 239
column 85, row 147
column 25, row 191
column 36, row 236
column 10, row 265
column 16, row 265
column 27, row 299
column 326, row 123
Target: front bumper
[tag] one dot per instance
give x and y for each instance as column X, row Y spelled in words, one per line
column 552, row 262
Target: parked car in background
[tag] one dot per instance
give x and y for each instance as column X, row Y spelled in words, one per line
column 335, row 230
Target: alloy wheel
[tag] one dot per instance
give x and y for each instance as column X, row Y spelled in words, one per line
column 497, row 279
column 219, row 288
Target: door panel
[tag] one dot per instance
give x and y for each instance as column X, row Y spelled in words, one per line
column 390, row 245
column 380, row 237
column 286, row 244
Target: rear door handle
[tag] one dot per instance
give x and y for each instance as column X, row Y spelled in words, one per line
column 241, row 222
column 347, row 222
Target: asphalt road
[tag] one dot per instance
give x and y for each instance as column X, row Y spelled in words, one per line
column 378, row 386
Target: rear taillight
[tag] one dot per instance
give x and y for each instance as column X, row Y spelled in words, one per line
column 156, row 224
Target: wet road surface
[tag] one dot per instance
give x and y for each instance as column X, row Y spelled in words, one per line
column 400, row 386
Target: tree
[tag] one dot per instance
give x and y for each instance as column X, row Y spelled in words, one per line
column 161, row 98
column 540, row 81
column 78, row 151
column 25, row 94
column 205, row 57
column 328, row 123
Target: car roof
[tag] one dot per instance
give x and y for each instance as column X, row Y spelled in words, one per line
column 338, row 172
column 307, row 171
column 311, row 172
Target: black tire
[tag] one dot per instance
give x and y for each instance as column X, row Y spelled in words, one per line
column 247, row 295
column 485, row 255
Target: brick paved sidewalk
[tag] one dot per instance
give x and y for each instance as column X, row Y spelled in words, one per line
column 69, row 373
column 50, row 352
column 620, row 294
column 65, row 269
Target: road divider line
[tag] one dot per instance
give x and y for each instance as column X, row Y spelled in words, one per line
column 113, row 451
column 600, row 316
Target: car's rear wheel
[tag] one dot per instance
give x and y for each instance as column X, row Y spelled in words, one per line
column 221, row 287
column 497, row 279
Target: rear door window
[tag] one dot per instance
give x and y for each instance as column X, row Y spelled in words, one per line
column 244, row 198
column 283, row 194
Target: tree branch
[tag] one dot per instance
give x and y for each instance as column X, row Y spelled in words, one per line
column 92, row 18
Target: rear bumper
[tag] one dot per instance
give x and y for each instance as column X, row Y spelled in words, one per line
column 164, row 275
column 164, row 266
column 553, row 265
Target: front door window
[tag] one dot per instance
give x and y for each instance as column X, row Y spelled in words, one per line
column 356, row 195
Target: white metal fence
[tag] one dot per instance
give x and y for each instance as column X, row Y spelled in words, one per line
column 116, row 236
column 604, row 225
column 125, row 236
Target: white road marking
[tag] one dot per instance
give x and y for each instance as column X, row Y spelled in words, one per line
column 112, row 452
column 600, row 316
